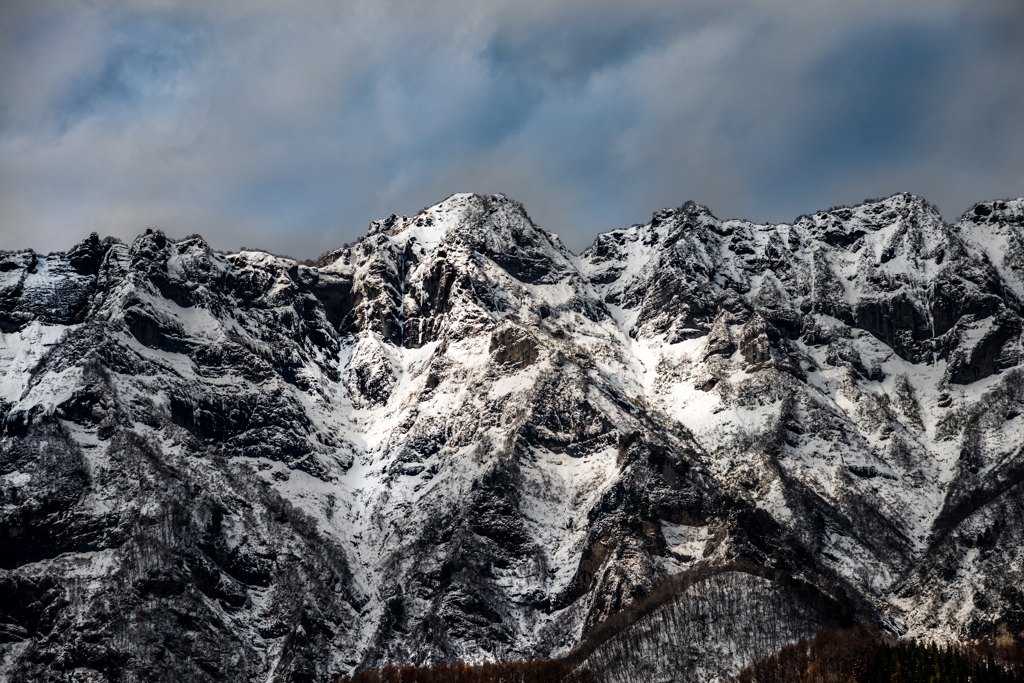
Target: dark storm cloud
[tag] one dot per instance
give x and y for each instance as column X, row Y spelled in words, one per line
column 290, row 126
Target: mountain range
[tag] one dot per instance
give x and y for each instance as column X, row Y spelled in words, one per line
column 695, row 442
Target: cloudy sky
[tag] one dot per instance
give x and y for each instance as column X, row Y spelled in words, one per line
column 290, row 126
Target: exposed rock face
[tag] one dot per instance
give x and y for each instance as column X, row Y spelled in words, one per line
column 514, row 346
column 457, row 439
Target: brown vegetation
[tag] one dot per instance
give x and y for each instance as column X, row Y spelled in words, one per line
column 676, row 584
column 860, row 655
column 528, row 671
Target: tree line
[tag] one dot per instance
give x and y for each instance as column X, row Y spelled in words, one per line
column 856, row 655
column 526, row 671
column 861, row 655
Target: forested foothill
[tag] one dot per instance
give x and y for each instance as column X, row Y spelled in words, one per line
column 863, row 655
column 856, row 655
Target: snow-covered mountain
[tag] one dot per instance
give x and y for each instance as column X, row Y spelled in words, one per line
column 455, row 438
